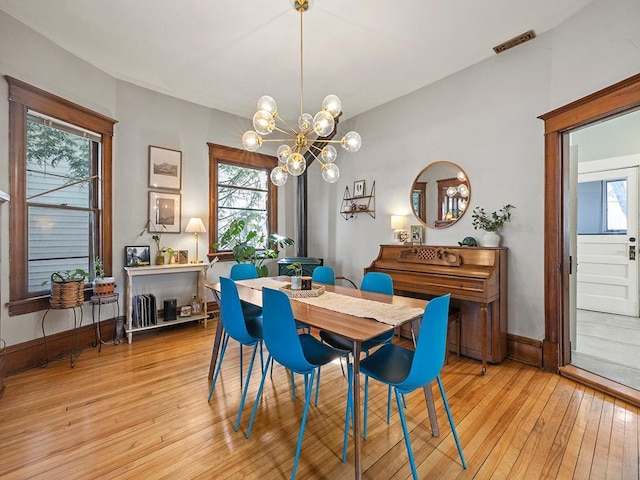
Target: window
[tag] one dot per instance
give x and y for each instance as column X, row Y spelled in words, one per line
column 60, row 210
column 602, row 207
column 239, row 188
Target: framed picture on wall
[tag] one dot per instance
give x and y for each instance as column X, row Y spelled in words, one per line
column 358, row 188
column 164, row 212
column 417, row 234
column 165, row 168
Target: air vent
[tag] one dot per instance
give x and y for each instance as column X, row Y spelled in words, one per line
column 515, row 41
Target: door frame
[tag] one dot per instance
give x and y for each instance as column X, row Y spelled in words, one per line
column 606, row 103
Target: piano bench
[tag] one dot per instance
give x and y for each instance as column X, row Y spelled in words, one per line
column 455, row 317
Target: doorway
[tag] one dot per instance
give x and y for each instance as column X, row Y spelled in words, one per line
column 613, row 101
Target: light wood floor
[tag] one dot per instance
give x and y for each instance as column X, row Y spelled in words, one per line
column 140, row 411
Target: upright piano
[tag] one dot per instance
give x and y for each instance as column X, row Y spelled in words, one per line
column 476, row 278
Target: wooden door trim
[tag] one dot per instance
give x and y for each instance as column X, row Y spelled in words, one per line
column 606, row 103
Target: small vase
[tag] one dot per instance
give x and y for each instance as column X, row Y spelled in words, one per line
column 491, row 239
column 159, row 259
column 296, row 282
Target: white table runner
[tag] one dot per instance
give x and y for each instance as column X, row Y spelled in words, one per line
column 359, row 307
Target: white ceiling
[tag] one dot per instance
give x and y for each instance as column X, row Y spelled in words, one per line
column 225, row 54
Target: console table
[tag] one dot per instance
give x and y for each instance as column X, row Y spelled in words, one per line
column 131, row 273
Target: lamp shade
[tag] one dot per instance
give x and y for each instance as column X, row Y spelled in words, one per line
column 195, row 225
column 397, row 222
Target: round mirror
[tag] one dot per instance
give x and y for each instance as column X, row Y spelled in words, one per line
column 440, row 194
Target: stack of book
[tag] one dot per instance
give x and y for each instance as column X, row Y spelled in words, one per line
column 145, row 312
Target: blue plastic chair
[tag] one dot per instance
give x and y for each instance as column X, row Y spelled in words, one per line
column 243, row 271
column 372, row 282
column 324, row 274
column 246, row 332
column 302, row 354
column 407, row 370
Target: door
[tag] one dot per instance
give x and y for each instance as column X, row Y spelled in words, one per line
column 607, row 225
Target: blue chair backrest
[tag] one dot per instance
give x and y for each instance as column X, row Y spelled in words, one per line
column 377, row 282
column 280, row 332
column 243, row 271
column 429, row 354
column 231, row 312
column 324, row 274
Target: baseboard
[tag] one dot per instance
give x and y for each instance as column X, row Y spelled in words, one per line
column 30, row 354
column 525, row 350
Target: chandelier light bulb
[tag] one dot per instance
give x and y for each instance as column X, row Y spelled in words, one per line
column 269, row 104
column 251, row 141
column 305, row 122
column 463, row 190
column 323, row 123
column 330, row 172
column 296, row 164
column 279, row 175
column 332, row 104
column 329, row 154
column 283, row 153
column 351, row 142
column 263, row 122
column 461, row 176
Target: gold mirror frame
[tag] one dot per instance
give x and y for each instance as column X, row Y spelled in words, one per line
column 440, row 194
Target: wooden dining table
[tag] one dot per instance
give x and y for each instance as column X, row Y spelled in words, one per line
column 356, row 329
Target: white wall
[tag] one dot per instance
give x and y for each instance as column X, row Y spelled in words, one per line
column 485, row 120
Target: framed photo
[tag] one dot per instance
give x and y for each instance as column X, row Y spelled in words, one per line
column 165, row 168
column 137, row 256
column 416, row 233
column 358, row 188
column 183, row 256
column 185, row 311
column 164, row 212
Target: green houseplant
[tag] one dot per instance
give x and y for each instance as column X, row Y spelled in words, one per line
column 491, row 223
column 102, row 286
column 245, row 245
column 296, row 278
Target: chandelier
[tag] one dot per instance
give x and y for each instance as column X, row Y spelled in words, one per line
column 313, row 136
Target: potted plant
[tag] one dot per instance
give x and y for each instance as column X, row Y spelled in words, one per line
column 491, row 224
column 102, row 286
column 296, row 278
column 246, row 246
column 67, row 288
column 160, row 251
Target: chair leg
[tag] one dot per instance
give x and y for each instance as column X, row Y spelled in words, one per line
column 317, row 387
column 241, row 365
column 405, row 431
column 293, row 387
column 255, row 404
column 349, row 412
column 215, row 377
column 453, row 427
column 388, row 404
column 246, row 385
column 308, row 389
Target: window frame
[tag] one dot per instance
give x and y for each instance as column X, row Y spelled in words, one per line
column 240, row 158
column 22, row 98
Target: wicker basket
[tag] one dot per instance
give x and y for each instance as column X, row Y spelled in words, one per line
column 66, row 294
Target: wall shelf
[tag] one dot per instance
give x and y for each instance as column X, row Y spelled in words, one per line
column 360, row 204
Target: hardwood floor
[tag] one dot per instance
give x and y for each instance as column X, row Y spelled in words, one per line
column 140, row 411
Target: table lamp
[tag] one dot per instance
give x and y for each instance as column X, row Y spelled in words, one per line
column 195, row 226
column 398, row 224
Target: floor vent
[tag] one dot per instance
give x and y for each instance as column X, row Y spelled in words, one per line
column 515, row 41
